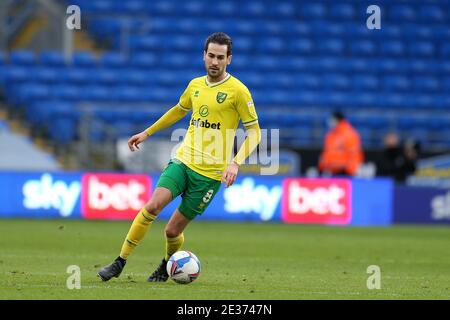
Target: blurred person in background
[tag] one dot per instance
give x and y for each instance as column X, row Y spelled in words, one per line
column 342, row 152
column 397, row 161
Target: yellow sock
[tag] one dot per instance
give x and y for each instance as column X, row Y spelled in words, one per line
column 173, row 245
column 137, row 231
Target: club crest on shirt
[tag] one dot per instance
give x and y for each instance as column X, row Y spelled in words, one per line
column 221, row 96
column 203, row 111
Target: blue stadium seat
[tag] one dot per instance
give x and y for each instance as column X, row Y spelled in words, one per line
column 421, row 49
column 171, row 78
column 22, row 58
column 308, row 98
column 281, row 80
column 77, row 76
column 432, row 14
column 244, row 44
column 271, row 45
column 66, row 92
column 396, row 83
column 392, row 48
column 307, row 81
column 301, row 47
column 127, row 94
column 437, row 124
column 441, row 32
column 363, row 100
column 14, row 75
column 212, row 25
column 254, row 9
column 419, row 66
column 402, row 12
column 426, row 83
column 363, row 48
column 264, row 63
column 133, row 7
column 335, row 81
column 331, row 46
column 312, row 10
column 52, row 58
column 328, row 64
column 180, row 43
column 98, row 6
column 98, row 93
column 441, row 102
column 106, row 77
column 39, row 113
column 137, row 77
column 446, row 84
column 362, row 65
column 187, row 26
column 226, row 8
column 45, row 75
column 415, row 32
column 335, row 99
column 393, row 101
column 365, row 82
column 162, row 25
column 124, row 128
column 83, row 59
column 30, row 92
column 162, row 8
column 301, row 29
column 63, row 129
column 343, row 11
column 143, row 60
column 358, row 30
column 389, row 65
column 146, row 43
column 193, row 8
column 113, row 60
column 97, row 131
column 253, row 79
column 281, row 10
column 243, row 62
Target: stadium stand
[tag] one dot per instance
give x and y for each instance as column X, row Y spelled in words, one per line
column 14, row 159
column 300, row 59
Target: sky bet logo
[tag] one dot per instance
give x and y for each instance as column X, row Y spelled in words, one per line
column 205, row 124
column 48, row 193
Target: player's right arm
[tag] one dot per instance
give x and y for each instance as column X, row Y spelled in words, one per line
column 170, row 117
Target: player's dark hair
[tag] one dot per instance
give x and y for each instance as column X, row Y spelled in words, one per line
column 338, row 115
column 220, row 38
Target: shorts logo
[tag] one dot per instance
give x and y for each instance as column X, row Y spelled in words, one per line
column 208, row 196
column 221, row 96
column 203, row 111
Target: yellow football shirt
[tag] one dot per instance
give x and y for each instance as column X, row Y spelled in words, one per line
column 217, row 109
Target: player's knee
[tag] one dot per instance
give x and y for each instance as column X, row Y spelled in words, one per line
column 171, row 231
column 153, row 207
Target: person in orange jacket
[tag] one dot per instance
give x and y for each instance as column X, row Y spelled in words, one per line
column 342, row 153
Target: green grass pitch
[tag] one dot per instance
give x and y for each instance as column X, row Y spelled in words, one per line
column 239, row 261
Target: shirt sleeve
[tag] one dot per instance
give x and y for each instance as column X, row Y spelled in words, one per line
column 185, row 102
column 245, row 107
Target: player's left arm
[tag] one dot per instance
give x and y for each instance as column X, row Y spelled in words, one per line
column 248, row 146
column 247, row 112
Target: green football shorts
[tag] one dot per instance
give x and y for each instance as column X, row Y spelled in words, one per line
column 196, row 190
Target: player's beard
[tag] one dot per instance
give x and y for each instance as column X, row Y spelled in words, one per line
column 216, row 74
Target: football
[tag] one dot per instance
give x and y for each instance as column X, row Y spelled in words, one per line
column 183, row 267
